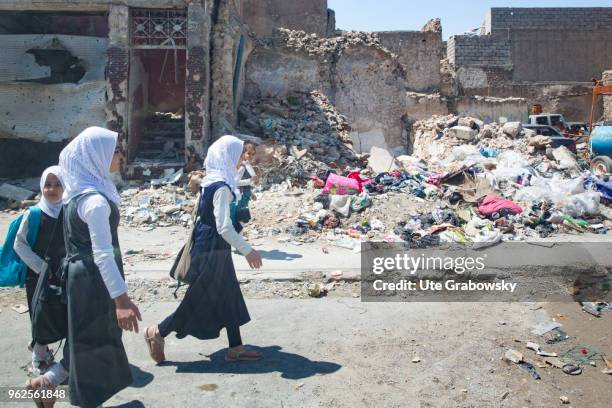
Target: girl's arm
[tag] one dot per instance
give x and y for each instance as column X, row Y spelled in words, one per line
column 95, row 212
column 221, row 201
column 23, row 249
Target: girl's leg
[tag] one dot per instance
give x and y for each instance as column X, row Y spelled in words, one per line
column 237, row 352
column 164, row 326
column 233, row 336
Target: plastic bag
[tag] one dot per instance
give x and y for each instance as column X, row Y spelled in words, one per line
column 582, row 204
column 511, row 159
column 341, row 204
column 486, row 238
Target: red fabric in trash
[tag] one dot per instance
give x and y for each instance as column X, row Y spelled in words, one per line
column 355, row 175
column 434, row 179
column 492, row 204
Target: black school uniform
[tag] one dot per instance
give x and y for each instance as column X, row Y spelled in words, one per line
column 49, row 241
column 94, row 354
column 214, row 300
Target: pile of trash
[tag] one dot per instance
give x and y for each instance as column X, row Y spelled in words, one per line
column 303, row 134
column 466, row 182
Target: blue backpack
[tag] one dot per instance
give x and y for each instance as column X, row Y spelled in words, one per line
column 12, row 269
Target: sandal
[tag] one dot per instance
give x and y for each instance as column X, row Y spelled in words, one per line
column 41, row 402
column 156, row 343
column 243, row 355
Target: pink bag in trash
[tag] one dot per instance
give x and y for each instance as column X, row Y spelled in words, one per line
column 339, row 185
column 492, row 204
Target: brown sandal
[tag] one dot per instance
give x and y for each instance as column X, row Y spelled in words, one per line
column 156, row 343
column 233, row 355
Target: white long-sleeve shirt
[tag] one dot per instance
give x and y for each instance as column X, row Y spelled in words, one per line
column 221, row 201
column 246, row 167
column 95, row 211
column 23, row 249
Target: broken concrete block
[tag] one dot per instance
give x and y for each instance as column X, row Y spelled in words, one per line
column 486, row 132
column 538, row 141
column 15, row 193
column 512, row 129
column 471, row 122
column 462, row 132
column 381, row 160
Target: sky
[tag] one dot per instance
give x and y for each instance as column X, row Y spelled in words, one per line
column 457, row 16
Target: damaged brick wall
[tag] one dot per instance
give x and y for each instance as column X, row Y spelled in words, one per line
column 420, row 53
column 117, row 70
column 197, row 125
column 226, row 33
column 364, row 80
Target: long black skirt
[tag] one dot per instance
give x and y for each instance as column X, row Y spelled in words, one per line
column 94, row 353
column 214, row 300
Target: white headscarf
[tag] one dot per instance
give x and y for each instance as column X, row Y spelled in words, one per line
column 221, row 161
column 49, row 208
column 85, row 164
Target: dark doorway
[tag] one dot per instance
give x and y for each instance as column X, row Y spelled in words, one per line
column 156, row 137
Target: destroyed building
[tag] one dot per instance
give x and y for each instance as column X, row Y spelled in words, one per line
column 172, row 75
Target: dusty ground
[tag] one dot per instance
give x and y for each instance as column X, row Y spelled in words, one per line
column 335, row 351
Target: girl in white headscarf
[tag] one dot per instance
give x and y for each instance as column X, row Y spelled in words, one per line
column 213, row 300
column 45, row 253
column 94, row 359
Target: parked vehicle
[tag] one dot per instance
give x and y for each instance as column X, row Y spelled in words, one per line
column 601, row 148
column 556, row 137
column 548, row 119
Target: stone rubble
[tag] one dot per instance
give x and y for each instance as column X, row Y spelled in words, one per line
column 303, row 135
column 325, row 47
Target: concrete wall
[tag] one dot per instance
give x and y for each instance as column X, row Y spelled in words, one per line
column 49, row 112
column 478, row 51
column 263, row 16
column 540, row 44
column 500, row 19
column 560, row 55
column 422, row 106
column 370, row 92
column 489, row 109
column 272, row 72
column 420, row 52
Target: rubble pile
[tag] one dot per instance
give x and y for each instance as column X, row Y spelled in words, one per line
column 314, row 45
column 466, row 182
column 303, row 134
column 156, row 207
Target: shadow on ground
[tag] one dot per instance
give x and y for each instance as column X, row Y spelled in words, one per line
column 277, row 255
column 140, row 378
column 291, row 366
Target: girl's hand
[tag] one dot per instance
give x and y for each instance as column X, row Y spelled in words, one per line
column 127, row 313
column 254, row 259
